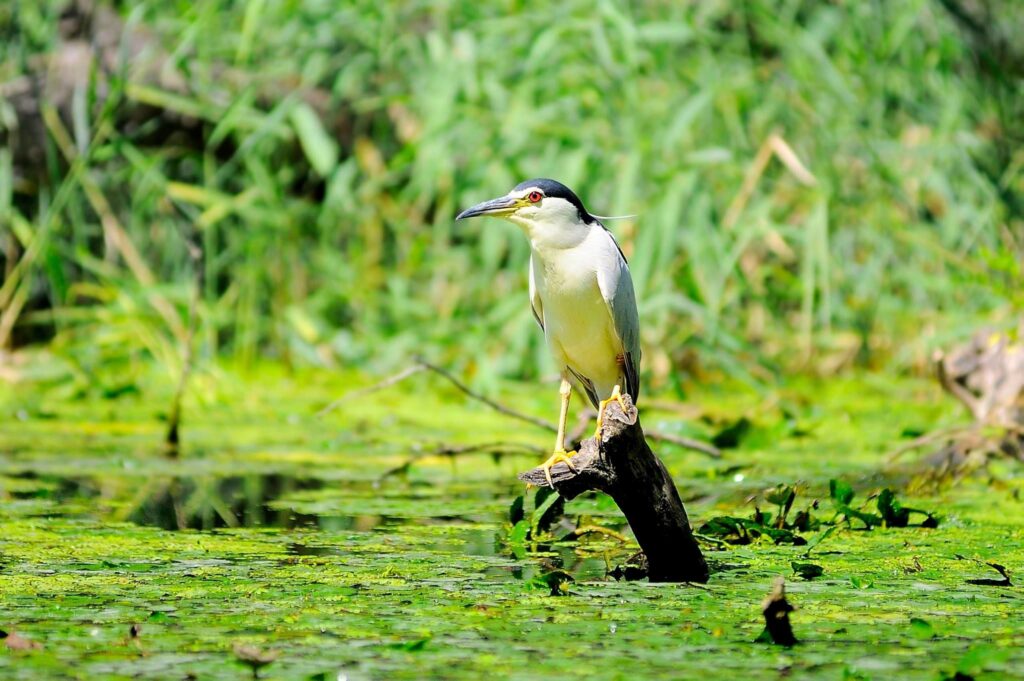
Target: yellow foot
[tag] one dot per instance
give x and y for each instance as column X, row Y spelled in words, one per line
column 558, row 455
column 616, row 396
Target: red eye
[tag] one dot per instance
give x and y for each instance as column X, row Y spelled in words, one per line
column 535, row 197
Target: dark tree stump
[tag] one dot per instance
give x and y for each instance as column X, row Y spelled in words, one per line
column 623, row 466
column 776, row 611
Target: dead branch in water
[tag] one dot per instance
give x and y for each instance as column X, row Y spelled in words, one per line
column 986, row 375
column 423, row 365
column 497, row 449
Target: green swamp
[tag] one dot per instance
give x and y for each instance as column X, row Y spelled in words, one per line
column 341, row 545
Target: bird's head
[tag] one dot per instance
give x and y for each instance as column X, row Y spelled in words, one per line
column 546, row 210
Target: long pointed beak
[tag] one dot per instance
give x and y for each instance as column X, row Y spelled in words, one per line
column 499, row 206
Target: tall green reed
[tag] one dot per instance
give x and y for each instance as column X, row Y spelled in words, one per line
column 320, row 150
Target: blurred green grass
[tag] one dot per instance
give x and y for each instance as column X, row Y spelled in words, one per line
column 317, row 153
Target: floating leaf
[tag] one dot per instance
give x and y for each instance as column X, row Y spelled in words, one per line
column 515, row 511
column 892, row 513
column 557, row 582
column 727, row 528
column 760, row 517
column 744, row 531
column 840, row 491
column 731, row 436
column 842, row 494
column 803, row 521
column 921, row 629
column 870, row 520
column 416, row 646
column 548, row 508
column 783, row 495
column 516, row 537
column 807, row 570
column 814, row 543
column 895, row 514
column 1001, row 569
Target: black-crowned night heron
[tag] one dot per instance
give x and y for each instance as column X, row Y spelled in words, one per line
column 581, row 294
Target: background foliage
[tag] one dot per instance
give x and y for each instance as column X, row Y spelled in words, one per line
column 316, row 153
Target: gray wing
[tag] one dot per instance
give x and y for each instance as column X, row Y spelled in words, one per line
column 535, row 302
column 617, row 289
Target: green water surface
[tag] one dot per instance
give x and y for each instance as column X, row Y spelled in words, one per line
column 310, row 538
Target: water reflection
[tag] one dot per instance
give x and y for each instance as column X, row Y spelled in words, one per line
column 212, row 501
column 208, row 502
column 199, row 502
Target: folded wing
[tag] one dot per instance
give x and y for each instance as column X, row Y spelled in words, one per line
column 617, row 289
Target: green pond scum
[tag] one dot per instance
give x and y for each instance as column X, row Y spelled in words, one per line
column 287, row 544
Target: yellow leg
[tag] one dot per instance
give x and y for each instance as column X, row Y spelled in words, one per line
column 616, row 396
column 565, row 390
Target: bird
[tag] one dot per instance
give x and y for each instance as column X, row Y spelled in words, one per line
column 582, row 296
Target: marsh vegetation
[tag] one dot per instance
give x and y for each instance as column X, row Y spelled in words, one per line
column 236, row 218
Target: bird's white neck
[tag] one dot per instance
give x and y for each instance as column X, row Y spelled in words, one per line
column 557, row 227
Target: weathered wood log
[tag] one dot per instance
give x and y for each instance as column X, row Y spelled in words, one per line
column 623, row 466
column 986, row 375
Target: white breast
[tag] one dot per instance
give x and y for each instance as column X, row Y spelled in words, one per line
column 577, row 324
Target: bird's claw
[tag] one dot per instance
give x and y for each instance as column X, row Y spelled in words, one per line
column 616, row 396
column 559, row 455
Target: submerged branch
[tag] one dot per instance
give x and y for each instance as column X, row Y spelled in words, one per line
column 597, row 529
column 423, row 365
column 496, row 406
column 386, row 383
column 686, row 443
column 926, row 439
column 498, row 449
